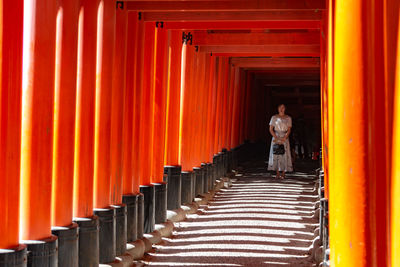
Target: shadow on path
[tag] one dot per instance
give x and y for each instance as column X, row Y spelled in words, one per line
column 259, row 221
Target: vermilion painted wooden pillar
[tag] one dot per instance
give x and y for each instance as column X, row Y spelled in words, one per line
column 198, row 92
column 234, row 141
column 37, row 119
column 173, row 100
column 188, row 102
column 391, row 14
column 137, row 45
column 218, row 111
column 358, row 191
column 324, row 98
column 211, row 109
column 146, row 117
column 64, row 113
column 85, row 106
column 129, row 107
column 230, row 111
column 205, row 107
column 225, row 103
column 11, row 31
column 329, row 84
column 117, row 106
column 395, row 171
column 160, row 98
column 105, row 49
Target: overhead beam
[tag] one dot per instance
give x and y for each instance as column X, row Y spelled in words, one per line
column 249, row 5
column 285, row 15
column 241, row 25
column 276, row 63
column 217, row 39
column 267, row 50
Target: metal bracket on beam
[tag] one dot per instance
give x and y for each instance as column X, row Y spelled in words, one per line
column 187, row 38
column 120, row 5
column 160, row 24
column 196, row 48
column 140, row 15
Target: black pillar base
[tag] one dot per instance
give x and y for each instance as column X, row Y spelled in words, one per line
column 210, row 173
column 14, row 257
column 42, row 252
column 224, row 161
column 173, row 179
column 229, row 165
column 88, row 241
column 204, row 168
column 120, row 229
column 187, row 187
column 198, row 188
column 131, row 202
column 234, row 158
column 106, row 234
column 68, row 246
column 160, row 206
column 140, row 216
column 149, row 211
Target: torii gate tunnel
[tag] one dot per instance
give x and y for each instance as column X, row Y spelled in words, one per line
column 113, row 112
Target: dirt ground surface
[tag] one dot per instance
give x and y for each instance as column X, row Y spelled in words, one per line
column 259, row 221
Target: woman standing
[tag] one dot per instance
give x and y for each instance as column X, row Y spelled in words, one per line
column 279, row 155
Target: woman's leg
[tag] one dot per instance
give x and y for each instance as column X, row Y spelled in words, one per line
column 277, row 174
column 283, row 175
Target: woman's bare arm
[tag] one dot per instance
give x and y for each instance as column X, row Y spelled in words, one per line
column 271, row 130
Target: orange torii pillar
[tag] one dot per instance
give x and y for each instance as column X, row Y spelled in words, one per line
column 37, row 132
column 203, row 146
column 172, row 165
column 185, row 122
column 395, row 172
column 358, row 167
column 231, row 114
column 210, row 128
column 11, row 32
column 159, row 117
column 117, row 112
column 64, row 133
column 224, row 116
column 146, row 126
column 217, row 159
column 136, row 45
column 102, row 134
column 84, row 136
column 234, row 142
column 324, row 101
column 198, row 92
column 130, row 185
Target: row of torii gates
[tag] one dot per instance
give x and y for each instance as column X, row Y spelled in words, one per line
column 97, row 96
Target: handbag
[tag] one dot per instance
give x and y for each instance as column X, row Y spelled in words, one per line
column 278, row 149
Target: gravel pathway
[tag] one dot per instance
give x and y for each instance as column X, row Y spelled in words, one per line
column 259, row 221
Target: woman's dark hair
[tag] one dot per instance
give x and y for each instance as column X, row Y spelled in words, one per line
column 281, row 105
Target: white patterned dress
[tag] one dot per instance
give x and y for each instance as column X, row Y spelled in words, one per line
column 280, row 162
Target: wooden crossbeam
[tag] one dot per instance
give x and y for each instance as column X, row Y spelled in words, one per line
column 203, row 38
column 266, row 50
column 276, row 63
column 285, row 15
column 226, row 25
column 248, row 5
